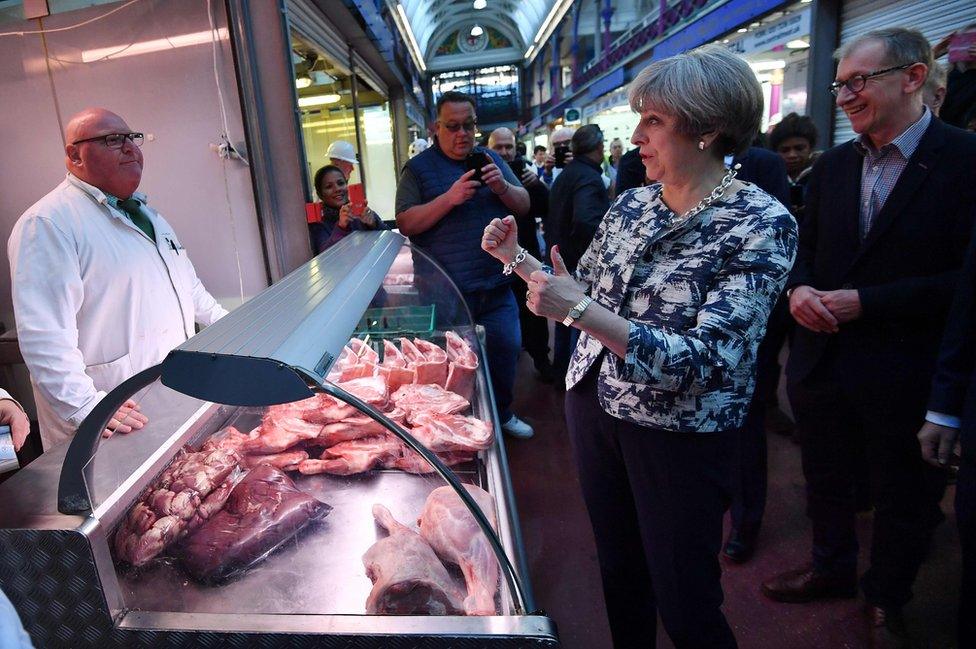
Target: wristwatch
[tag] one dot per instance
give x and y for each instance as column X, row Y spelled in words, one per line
column 577, row 311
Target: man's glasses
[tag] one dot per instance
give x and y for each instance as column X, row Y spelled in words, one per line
column 115, row 140
column 469, row 126
column 856, row 83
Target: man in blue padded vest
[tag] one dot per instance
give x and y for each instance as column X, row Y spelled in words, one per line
column 444, row 211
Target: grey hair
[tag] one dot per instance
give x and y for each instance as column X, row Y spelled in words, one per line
column 938, row 76
column 902, row 46
column 708, row 89
column 586, row 139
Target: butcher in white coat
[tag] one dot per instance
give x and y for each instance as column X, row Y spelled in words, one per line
column 102, row 288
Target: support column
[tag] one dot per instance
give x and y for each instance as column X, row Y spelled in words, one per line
column 824, row 39
column 606, row 14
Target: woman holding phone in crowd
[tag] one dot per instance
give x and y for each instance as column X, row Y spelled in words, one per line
column 339, row 215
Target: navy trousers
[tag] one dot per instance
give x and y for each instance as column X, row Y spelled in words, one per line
column 495, row 310
column 656, row 501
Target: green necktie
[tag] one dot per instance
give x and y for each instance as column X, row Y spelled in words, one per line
column 132, row 207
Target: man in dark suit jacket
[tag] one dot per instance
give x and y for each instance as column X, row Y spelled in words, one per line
column 578, row 199
column 952, row 407
column 766, row 169
column 881, row 245
column 630, row 172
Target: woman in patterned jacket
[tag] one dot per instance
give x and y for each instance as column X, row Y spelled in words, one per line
column 672, row 299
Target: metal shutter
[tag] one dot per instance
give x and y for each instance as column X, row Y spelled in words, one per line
column 307, row 20
column 934, row 18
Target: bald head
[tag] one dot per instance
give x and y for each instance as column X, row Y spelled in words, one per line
column 502, row 141
column 87, row 157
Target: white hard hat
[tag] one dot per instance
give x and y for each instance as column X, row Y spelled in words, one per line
column 342, row 150
column 417, row 146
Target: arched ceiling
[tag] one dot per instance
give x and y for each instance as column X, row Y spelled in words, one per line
column 430, row 20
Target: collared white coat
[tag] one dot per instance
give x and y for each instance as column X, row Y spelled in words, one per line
column 95, row 300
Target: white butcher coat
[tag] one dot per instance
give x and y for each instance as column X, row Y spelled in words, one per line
column 95, row 300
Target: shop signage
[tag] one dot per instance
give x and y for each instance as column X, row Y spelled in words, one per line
column 778, row 33
column 572, row 116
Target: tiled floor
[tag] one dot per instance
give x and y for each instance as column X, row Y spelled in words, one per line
column 565, row 576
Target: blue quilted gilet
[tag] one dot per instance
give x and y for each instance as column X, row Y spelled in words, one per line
column 455, row 240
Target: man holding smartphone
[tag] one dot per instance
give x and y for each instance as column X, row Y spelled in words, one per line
column 444, row 208
column 561, row 154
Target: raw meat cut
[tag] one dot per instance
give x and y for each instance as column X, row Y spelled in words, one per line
column 279, row 433
column 429, row 371
column 372, row 389
column 463, row 365
column 355, row 428
column 228, row 438
column 319, row 409
column 394, row 367
column 449, row 528
column 363, row 351
column 263, row 511
column 412, row 462
column 287, row 461
column 190, row 490
column 408, row 578
column 452, row 433
column 436, row 357
column 356, row 456
column 416, row 398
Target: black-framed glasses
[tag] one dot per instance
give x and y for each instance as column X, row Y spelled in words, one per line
column 856, row 83
column 469, row 126
column 115, row 140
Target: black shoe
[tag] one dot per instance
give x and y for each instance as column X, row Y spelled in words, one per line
column 886, row 628
column 545, row 371
column 741, row 544
column 804, row 584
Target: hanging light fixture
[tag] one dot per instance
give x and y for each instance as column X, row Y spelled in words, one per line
column 477, row 31
column 480, row 4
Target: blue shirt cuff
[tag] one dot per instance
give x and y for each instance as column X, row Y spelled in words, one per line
column 942, row 419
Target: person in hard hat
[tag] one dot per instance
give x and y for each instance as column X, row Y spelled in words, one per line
column 342, row 155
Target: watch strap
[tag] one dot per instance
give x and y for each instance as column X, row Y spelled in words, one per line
column 577, row 311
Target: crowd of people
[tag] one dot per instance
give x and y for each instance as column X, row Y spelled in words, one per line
column 673, row 274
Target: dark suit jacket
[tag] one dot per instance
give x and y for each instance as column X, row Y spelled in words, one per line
column 630, row 172
column 954, row 385
column 906, row 269
column 767, row 170
column 578, row 199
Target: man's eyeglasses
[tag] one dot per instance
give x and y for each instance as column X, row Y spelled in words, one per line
column 469, row 126
column 856, row 83
column 115, row 140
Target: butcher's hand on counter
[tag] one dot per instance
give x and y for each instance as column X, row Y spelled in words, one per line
column 463, row 189
column 553, row 296
column 126, row 419
column 12, row 415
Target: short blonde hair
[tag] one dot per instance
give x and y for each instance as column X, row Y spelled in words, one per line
column 706, row 89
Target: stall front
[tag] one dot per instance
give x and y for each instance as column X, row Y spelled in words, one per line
column 322, row 467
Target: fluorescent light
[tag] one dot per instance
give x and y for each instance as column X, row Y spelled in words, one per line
column 147, row 47
column 414, row 48
column 741, row 30
column 528, row 52
column 798, row 44
column 765, row 66
column 477, row 31
column 559, row 9
column 303, row 81
column 480, row 4
column 318, row 100
column 725, row 40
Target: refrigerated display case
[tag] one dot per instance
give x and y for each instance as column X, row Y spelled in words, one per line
column 182, row 533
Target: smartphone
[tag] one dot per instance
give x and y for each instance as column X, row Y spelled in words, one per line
column 518, row 167
column 476, row 161
column 8, row 457
column 357, row 199
column 959, row 47
column 561, row 151
column 313, row 212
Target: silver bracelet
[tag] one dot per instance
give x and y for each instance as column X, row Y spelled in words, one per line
column 519, row 258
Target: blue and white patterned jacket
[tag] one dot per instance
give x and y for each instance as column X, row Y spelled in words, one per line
column 695, row 326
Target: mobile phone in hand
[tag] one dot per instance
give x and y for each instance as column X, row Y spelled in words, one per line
column 476, row 160
column 518, row 167
column 561, row 151
column 357, row 199
column 8, row 457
